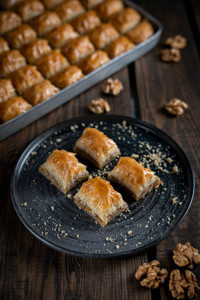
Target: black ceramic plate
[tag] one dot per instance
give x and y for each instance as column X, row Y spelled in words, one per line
column 54, row 218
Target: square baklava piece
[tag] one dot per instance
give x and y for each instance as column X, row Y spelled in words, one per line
column 86, row 22
column 7, row 89
column 40, row 92
column 45, row 22
column 119, row 46
column 126, row 19
column 94, row 61
column 102, row 35
column 63, row 170
column 3, row 45
column 77, row 48
column 11, row 61
column 20, row 36
column 29, row 9
column 98, row 198
column 12, row 108
column 25, row 78
column 131, row 175
column 91, row 3
column 95, row 146
column 69, row 10
column 141, row 32
column 109, row 8
column 51, row 3
column 52, row 63
column 67, row 77
column 35, row 50
column 8, row 21
column 60, row 35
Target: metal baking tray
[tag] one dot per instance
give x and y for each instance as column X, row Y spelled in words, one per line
column 88, row 81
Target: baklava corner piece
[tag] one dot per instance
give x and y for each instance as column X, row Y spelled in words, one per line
column 98, row 198
column 95, row 146
column 63, row 170
column 131, row 175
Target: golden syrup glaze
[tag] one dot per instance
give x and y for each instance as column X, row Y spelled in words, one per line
column 65, row 163
column 141, row 32
column 101, row 194
column 96, row 141
column 86, row 22
column 132, row 171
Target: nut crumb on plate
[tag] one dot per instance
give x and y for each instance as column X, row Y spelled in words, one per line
column 112, row 87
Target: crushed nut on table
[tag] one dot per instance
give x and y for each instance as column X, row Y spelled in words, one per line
column 186, row 255
column 99, row 106
column 112, row 87
column 176, row 107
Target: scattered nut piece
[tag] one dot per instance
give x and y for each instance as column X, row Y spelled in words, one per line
column 175, row 169
column 152, row 273
column 170, row 55
column 186, row 255
column 178, row 41
column 112, row 87
column 99, row 106
column 178, row 283
column 176, row 107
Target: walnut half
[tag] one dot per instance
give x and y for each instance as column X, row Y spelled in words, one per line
column 152, row 274
column 112, row 87
column 178, row 41
column 170, row 55
column 99, row 106
column 176, row 107
column 186, row 255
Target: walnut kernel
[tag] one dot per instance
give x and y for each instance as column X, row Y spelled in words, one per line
column 176, row 42
column 170, row 55
column 112, row 87
column 99, row 106
column 176, row 107
column 186, row 255
column 152, row 273
column 192, row 285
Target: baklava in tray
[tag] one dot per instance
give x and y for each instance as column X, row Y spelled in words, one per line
column 69, row 45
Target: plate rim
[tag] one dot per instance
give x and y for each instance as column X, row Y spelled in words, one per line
column 91, row 118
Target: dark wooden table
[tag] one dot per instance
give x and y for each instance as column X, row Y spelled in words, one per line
column 29, row 269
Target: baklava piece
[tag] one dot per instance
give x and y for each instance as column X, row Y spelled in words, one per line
column 12, row 108
column 94, row 61
column 52, row 63
column 63, row 170
column 11, row 61
column 30, row 9
column 8, row 21
column 126, row 19
column 51, row 3
column 98, row 198
column 20, row 36
column 141, row 32
column 95, row 146
column 91, row 3
column 9, row 3
column 109, row 8
column 77, row 48
column 132, row 176
column 67, row 77
column 7, row 89
column 119, row 46
column 86, row 22
column 35, row 50
column 25, row 78
column 3, row 45
column 102, row 35
column 60, row 35
column 40, row 92
column 69, row 10
column 45, row 22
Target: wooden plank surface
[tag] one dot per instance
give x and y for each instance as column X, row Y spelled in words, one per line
column 31, row 270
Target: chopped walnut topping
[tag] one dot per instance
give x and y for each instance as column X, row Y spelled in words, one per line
column 179, row 283
column 112, row 87
column 170, row 55
column 176, row 42
column 99, row 106
column 176, row 107
column 186, row 255
column 152, row 273
column 175, row 169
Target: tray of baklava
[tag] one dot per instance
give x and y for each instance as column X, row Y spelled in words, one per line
column 52, row 50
